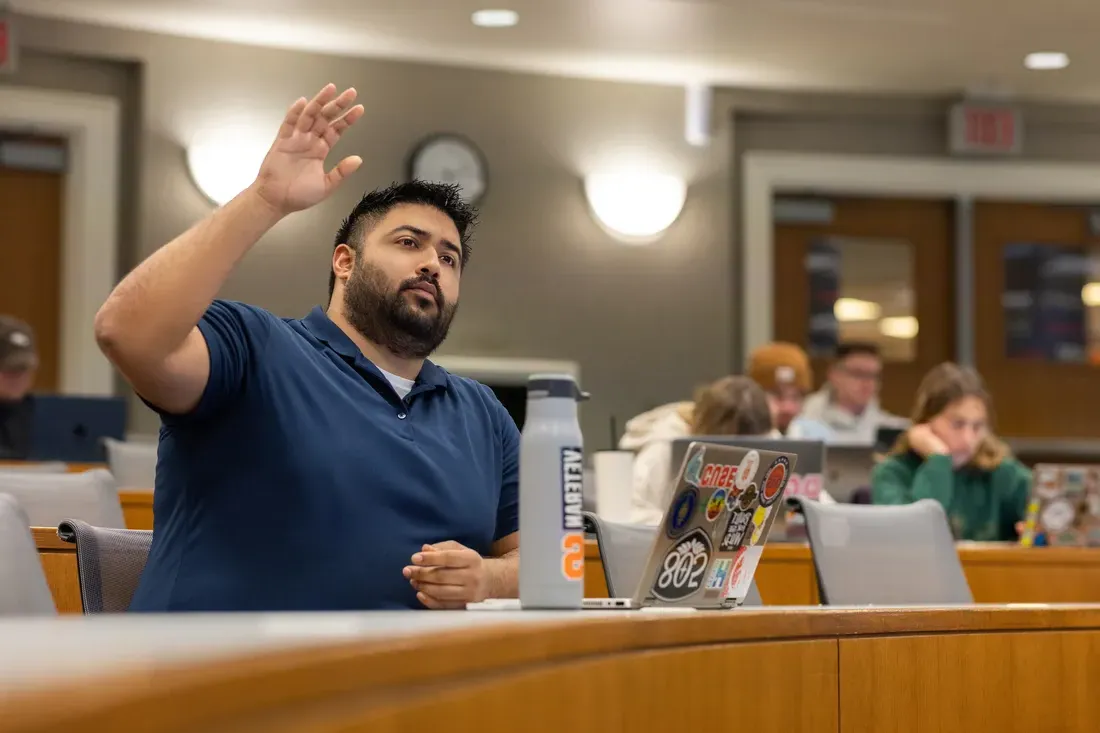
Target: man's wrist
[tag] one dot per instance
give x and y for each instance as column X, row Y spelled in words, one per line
column 502, row 576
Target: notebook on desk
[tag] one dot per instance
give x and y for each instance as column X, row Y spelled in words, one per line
column 1064, row 506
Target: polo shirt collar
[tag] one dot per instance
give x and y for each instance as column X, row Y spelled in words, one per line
column 325, row 331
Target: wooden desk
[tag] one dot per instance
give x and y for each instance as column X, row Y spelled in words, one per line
column 956, row 670
column 997, row 573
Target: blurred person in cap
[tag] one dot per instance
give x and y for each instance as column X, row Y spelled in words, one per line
column 18, row 364
column 783, row 370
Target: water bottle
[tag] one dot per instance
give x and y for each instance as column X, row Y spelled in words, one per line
column 551, row 481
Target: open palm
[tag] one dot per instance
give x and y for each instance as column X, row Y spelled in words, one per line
column 292, row 176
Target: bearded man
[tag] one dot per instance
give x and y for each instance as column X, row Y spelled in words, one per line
column 320, row 463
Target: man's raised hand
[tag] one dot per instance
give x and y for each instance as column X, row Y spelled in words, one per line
column 292, row 176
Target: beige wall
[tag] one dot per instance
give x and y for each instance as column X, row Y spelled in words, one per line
column 645, row 323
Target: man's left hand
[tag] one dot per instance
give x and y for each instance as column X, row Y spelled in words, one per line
column 448, row 575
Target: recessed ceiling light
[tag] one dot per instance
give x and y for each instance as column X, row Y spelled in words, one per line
column 1046, row 60
column 495, row 18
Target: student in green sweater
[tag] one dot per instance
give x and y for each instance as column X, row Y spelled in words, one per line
column 949, row 455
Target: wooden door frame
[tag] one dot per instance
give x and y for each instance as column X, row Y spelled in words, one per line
column 89, row 245
column 767, row 173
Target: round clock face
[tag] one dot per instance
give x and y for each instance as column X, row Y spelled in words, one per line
column 448, row 159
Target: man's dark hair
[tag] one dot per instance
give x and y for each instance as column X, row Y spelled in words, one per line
column 376, row 204
column 849, row 348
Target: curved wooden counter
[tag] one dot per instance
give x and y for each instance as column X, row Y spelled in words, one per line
column 836, row 670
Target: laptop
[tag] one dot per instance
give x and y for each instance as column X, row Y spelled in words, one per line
column 706, row 549
column 848, row 469
column 807, row 482
column 1064, row 507
column 72, row 429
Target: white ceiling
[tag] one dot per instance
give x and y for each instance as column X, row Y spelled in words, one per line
column 939, row 46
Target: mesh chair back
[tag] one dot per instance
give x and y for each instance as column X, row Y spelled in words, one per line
column 109, row 562
column 51, row 498
column 23, row 588
column 884, row 555
column 624, row 551
column 134, row 465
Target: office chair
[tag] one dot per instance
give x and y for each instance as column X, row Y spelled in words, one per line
column 23, row 588
column 884, row 555
column 109, row 563
column 51, row 498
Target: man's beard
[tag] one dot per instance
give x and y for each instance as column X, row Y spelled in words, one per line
column 385, row 317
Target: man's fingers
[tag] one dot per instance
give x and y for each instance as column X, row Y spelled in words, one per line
column 336, row 128
column 292, row 116
column 343, row 169
column 445, row 558
column 439, row 605
column 313, row 109
column 447, row 576
column 338, row 106
column 444, row 592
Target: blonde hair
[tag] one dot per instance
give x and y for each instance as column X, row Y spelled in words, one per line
column 943, row 386
column 733, row 405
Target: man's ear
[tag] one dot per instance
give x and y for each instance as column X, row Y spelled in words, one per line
column 343, row 261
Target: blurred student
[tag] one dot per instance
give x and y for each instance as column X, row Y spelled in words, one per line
column 18, row 365
column 848, row 404
column 784, row 371
column 951, row 456
column 733, row 405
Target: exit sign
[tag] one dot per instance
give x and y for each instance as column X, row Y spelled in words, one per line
column 985, row 129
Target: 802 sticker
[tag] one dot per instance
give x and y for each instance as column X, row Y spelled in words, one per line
column 683, row 567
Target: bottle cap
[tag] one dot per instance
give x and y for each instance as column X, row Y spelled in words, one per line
column 562, row 386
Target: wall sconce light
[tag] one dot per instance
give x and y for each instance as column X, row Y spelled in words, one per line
column 635, row 207
column 224, row 163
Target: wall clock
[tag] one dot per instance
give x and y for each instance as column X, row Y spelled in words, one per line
column 450, row 158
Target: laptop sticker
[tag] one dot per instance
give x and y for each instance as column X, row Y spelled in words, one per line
column 748, row 499
column 747, row 470
column 1058, row 516
column 736, row 527
column 716, row 504
column 694, row 469
column 1074, row 482
column 718, row 575
column 682, row 569
column 744, row 567
column 1046, row 483
column 775, row 479
column 759, row 520
column 679, row 516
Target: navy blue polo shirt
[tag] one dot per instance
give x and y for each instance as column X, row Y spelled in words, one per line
column 302, row 481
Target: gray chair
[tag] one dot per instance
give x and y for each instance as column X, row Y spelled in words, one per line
column 23, row 588
column 109, row 563
column 44, row 467
column 133, row 464
column 884, row 555
column 51, row 498
column 624, row 550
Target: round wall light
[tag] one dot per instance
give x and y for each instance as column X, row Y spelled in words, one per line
column 635, row 206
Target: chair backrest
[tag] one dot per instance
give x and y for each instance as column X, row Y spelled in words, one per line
column 109, row 563
column 23, row 588
column 884, row 555
column 133, row 464
column 43, row 467
column 624, row 551
column 51, row 498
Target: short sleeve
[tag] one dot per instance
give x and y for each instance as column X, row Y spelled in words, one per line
column 508, row 506
column 235, row 333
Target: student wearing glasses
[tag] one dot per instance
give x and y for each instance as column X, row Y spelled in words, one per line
column 848, row 403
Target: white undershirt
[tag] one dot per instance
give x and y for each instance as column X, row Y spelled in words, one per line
column 401, row 385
